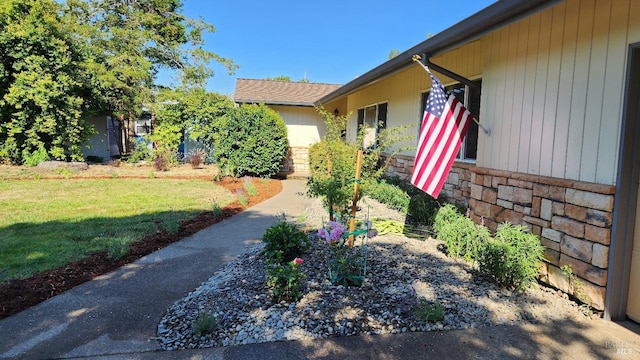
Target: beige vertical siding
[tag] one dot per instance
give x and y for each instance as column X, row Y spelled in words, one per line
column 305, row 126
column 552, row 90
column 402, row 91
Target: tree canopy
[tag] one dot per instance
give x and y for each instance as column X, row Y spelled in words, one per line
column 59, row 62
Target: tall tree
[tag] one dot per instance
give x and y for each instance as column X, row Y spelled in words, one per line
column 133, row 40
column 45, row 90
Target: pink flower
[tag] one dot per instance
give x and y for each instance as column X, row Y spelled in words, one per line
column 298, row 261
column 322, row 233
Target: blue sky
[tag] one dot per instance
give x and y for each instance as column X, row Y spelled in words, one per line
column 329, row 42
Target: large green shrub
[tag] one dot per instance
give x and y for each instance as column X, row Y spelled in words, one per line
column 512, row 258
column 252, row 141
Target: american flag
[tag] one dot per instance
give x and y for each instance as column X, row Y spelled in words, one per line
column 443, row 127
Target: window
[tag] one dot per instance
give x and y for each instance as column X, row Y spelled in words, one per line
column 374, row 117
column 471, row 99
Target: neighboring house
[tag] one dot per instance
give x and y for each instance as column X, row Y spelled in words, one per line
column 294, row 101
column 104, row 144
column 558, row 84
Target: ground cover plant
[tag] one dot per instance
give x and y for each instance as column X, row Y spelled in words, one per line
column 27, row 213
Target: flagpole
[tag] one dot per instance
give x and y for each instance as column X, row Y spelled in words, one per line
column 417, row 59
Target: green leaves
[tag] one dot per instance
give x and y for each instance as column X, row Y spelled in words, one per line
column 42, row 86
column 252, row 140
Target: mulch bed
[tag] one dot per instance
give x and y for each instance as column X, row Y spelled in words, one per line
column 17, row 295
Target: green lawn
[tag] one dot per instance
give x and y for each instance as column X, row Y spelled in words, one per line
column 45, row 224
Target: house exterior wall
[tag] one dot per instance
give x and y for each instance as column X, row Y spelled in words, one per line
column 305, row 127
column 98, row 144
column 552, row 94
column 552, row 90
column 402, row 91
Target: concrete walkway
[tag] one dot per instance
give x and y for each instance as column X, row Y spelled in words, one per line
column 116, row 315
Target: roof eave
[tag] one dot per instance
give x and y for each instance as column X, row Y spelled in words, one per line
column 267, row 102
column 497, row 15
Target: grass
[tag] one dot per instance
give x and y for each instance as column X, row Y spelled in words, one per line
column 45, row 224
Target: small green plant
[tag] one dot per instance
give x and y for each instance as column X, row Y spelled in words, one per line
column 512, row 258
column 217, row 210
column 152, row 175
column 249, row 186
column 170, row 226
column 284, row 241
column 114, row 175
column 576, row 286
column 301, row 218
column 197, row 157
column 285, row 280
column 141, row 152
column 429, row 311
column 204, row 323
column 217, row 177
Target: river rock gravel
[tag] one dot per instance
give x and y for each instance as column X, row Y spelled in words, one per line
column 400, row 270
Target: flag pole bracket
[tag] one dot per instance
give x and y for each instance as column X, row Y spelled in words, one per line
column 426, row 65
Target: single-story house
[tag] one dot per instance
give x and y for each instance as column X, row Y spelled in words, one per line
column 558, row 84
column 104, row 144
column 295, row 102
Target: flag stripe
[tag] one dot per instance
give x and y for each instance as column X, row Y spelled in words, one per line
column 445, row 123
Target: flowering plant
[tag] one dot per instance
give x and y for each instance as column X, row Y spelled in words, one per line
column 285, row 280
column 347, row 266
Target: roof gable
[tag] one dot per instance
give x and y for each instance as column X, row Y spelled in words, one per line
column 274, row 92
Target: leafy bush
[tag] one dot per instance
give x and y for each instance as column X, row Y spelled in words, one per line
column 253, row 141
column 284, row 280
column 36, row 157
column 462, row 237
column 284, row 241
column 512, row 258
column 445, row 215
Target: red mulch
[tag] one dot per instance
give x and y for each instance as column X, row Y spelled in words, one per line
column 17, row 295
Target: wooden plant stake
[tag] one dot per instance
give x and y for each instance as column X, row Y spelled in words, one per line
column 354, row 206
column 329, row 167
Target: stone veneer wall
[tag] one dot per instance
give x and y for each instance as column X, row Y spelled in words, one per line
column 572, row 218
column 296, row 160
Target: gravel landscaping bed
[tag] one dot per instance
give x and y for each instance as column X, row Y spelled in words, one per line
column 400, row 270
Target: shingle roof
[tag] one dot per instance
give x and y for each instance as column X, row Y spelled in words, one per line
column 274, row 92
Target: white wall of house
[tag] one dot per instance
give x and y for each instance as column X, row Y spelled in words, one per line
column 305, row 126
column 98, row 145
column 552, row 90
